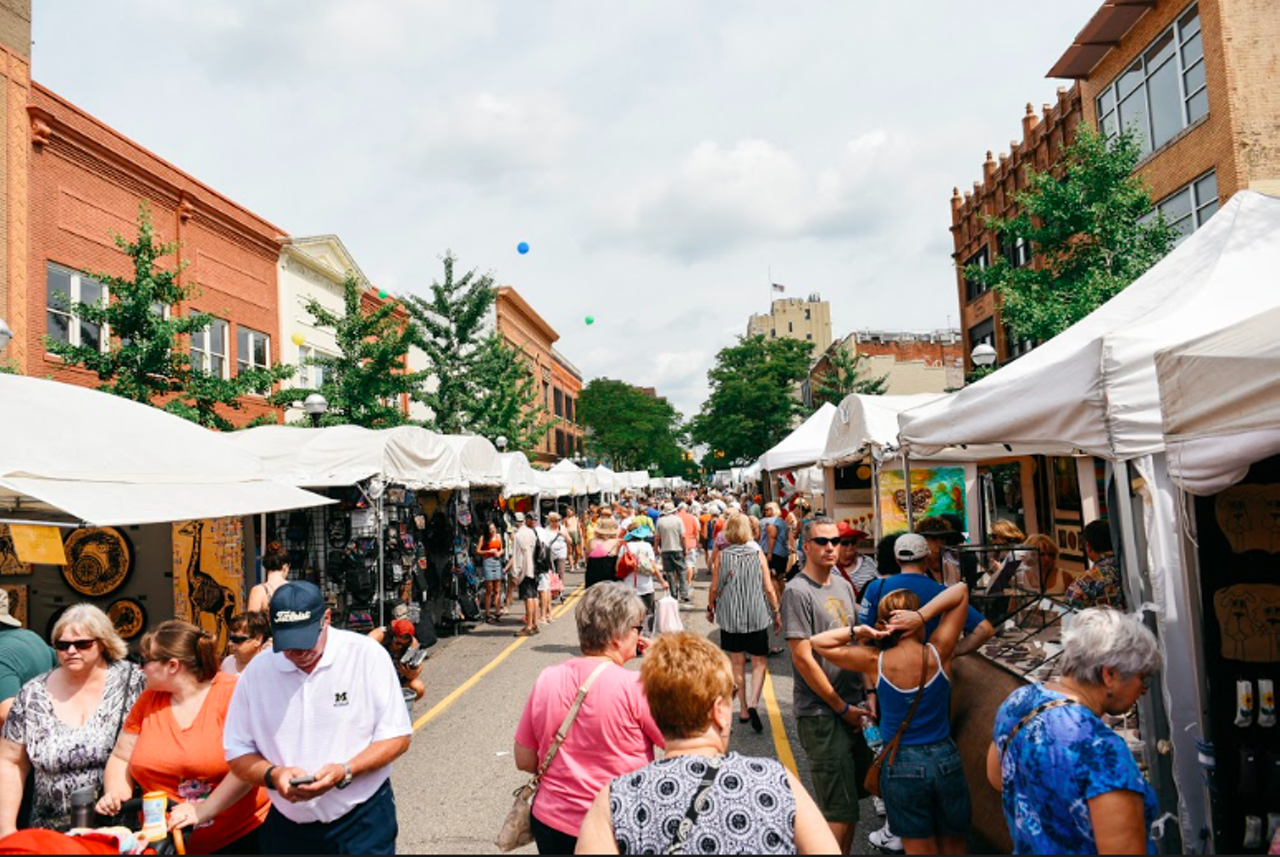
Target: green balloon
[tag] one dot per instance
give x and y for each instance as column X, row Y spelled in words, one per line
column 591, row 319
column 382, row 293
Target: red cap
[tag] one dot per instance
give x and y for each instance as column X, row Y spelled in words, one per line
column 402, row 627
column 848, row 532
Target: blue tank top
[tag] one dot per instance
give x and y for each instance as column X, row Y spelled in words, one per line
column 780, row 543
column 932, row 720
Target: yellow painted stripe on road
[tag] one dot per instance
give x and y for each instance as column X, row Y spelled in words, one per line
column 781, row 743
column 453, row 697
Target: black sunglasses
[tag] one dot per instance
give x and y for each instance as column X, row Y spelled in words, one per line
column 848, row 543
column 823, row 541
column 238, row 638
column 80, row 645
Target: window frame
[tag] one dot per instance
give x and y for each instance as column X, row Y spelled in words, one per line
column 206, row 354
column 250, row 362
column 1197, row 208
column 982, row 258
column 75, row 324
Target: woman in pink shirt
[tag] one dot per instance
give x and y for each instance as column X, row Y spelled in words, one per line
column 614, row 733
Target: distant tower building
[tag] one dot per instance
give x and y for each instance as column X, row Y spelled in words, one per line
column 807, row 319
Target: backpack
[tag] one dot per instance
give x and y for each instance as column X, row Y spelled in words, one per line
column 542, row 562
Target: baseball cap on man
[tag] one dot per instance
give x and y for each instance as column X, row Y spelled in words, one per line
column 297, row 615
column 519, row 517
column 910, row 547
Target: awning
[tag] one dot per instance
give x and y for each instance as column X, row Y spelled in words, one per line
column 519, row 479
column 804, row 446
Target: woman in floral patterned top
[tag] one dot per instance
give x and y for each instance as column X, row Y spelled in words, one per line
column 1101, row 585
column 64, row 724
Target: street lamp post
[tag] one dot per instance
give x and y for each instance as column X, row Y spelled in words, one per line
column 983, row 355
column 316, row 406
column 501, row 443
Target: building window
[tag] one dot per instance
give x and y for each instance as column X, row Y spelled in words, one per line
column 559, row 400
column 568, row 408
column 809, row 336
column 974, row 288
column 1163, row 91
column 253, row 351
column 309, row 375
column 209, row 349
column 806, row 315
column 63, row 289
column 1189, row 207
column 559, row 443
column 983, row 332
column 578, row 442
column 1017, row 251
column 790, row 328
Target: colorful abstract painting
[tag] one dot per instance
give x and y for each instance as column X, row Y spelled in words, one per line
column 934, row 491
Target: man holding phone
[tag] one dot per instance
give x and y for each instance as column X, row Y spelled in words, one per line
column 318, row 722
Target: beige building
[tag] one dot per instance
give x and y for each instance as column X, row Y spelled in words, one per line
column 807, row 319
column 910, row 361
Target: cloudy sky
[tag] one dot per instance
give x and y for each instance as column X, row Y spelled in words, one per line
column 661, row 158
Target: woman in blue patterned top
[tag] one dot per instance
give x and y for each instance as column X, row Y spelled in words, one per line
column 1070, row 783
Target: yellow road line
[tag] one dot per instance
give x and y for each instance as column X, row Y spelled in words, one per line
column 439, row 707
column 780, row 741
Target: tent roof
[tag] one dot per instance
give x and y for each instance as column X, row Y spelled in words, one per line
column 1220, row 402
column 1092, row 389
column 137, row 464
column 519, row 479
column 478, row 458
column 345, row 455
column 804, row 446
column 865, row 423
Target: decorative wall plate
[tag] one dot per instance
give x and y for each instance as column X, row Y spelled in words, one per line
column 129, row 618
column 98, row 561
column 9, row 562
column 17, row 601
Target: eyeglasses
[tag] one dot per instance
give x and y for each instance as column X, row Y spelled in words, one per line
column 80, row 645
column 237, row 639
column 639, row 629
column 823, row 541
column 848, row 543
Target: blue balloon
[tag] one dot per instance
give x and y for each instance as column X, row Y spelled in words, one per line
column 522, row 247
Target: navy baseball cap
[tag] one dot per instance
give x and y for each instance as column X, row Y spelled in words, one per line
column 297, row 614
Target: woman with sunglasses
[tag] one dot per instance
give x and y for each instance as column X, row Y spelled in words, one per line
column 64, row 724
column 172, row 743
column 248, row 635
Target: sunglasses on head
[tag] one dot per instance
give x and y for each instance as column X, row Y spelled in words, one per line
column 823, row 541
column 79, row 645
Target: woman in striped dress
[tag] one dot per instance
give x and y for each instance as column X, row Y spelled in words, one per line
column 741, row 601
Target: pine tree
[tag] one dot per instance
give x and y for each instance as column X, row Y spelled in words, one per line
column 148, row 358
column 365, row 381
column 844, row 378
column 506, row 398
column 450, row 329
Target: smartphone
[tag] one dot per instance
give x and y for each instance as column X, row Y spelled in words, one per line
column 302, row 781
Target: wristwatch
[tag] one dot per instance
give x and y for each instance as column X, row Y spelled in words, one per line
column 269, row 783
column 346, row 779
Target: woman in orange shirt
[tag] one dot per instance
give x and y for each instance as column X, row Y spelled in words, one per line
column 172, row 742
column 490, row 551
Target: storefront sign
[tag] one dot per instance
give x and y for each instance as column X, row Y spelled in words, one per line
column 37, row 544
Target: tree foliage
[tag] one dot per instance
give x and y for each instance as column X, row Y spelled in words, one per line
column 629, row 429
column 843, row 377
column 506, row 399
column 753, row 402
column 450, row 329
column 1085, row 220
column 365, row 381
column 148, row 357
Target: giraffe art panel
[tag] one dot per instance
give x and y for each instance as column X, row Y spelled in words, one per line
column 208, row 573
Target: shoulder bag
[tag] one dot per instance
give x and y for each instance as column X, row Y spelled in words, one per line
column 1032, row 715
column 628, row 563
column 890, row 752
column 517, row 829
column 685, row 829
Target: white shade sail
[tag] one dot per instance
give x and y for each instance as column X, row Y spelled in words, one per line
column 1092, row 389
column 107, row 461
column 804, row 446
column 1221, row 403
column 867, row 424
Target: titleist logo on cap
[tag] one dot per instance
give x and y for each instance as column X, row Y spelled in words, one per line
column 293, row 616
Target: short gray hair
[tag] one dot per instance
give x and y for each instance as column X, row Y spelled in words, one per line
column 1101, row 637
column 605, row 613
column 817, row 521
column 93, row 623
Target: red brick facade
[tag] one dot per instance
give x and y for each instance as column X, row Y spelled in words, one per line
column 87, row 181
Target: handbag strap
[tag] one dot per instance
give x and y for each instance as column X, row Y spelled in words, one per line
column 685, row 830
column 1032, row 715
column 563, row 731
column 891, row 752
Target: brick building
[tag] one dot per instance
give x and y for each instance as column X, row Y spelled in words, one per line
column 559, row 381
column 911, row 362
column 1198, row 82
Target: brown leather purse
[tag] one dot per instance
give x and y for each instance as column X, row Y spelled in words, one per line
column 872, row 781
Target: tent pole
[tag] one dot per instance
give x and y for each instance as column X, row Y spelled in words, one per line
column 906, row 483
column 262, row 545
column 382, row 601
column 877, row 529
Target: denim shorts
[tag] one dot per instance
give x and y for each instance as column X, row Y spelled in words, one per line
column 492, row 569
column 925, row 792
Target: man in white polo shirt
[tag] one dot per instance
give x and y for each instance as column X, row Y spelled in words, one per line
column 318, row 721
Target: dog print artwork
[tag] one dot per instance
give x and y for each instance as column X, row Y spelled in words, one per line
column 1249, row 621
column 1249, row 516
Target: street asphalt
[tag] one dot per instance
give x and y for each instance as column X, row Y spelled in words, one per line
column 454, row 786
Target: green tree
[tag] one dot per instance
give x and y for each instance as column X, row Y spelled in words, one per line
column 629, row 429
column 506, row 397
column 753, row 402
column 450, row 329
column 148, row 358
column 1086, row 221
column 365, row 381
column 843, row 377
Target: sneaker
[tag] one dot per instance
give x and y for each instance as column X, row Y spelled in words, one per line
column 886, row 841
column 879, row 806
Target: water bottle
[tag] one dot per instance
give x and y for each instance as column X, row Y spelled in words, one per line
column 871, row 731
column 82, row 802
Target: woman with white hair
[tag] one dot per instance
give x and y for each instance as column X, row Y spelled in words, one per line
column 1070, row 783
column 65, row 723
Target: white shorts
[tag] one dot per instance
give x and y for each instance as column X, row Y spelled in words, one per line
column 544, row 582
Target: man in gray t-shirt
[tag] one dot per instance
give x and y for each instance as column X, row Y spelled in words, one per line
column 671, row 546
column 828, row 700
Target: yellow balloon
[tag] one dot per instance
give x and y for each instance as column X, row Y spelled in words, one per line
column 298, row 339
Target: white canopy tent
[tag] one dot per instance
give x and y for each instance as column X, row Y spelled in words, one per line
column 519, row 479
column 137, row 464
column 347, row 455
column 1221, row 403
column 572, row 477
column 804, row 446
column 867, row 424
column 606, row 479
column 478, row 458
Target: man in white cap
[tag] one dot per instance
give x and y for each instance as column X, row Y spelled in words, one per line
column 671, row 544
column 23, row 656
column 318, row 722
